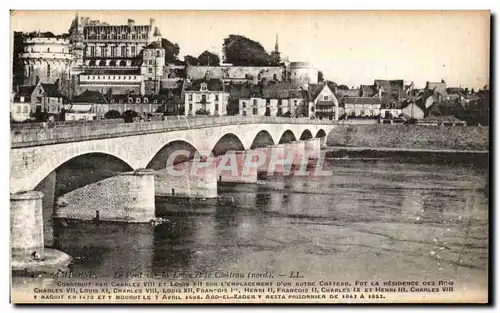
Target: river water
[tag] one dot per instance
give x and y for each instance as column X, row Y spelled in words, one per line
column 370, row 220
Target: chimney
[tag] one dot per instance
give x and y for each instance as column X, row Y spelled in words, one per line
column 152, row 23
column 130, row 22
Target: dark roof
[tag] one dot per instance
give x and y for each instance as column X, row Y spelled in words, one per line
column 347, row 93
column 281, row 91
column 388, row 85
column 367, row 90
column 212, row 85
column 52, row 90
column 154, row 45
column 239, row 91
column 315, row 90
column 90, row 96
column 362, row 100
column 157, row 32
column 25, row 91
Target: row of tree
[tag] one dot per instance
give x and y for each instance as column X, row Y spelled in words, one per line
column 238, row 50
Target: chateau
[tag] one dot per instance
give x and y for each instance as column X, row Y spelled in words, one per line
column 96, row 56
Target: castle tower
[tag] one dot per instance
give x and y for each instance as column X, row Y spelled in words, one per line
column 76, row 39
column 275, row 55
column 45, row 58
column 152, row 67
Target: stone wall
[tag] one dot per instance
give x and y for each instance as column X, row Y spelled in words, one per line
column 128, row 197
column 200, row 183
column 235, row 72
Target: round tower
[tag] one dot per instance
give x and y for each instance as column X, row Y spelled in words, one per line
column 45, row 59
column 303, row 73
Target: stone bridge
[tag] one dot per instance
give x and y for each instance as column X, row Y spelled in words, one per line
column 36, row 152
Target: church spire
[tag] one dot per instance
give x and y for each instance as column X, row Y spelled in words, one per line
column 276, row 45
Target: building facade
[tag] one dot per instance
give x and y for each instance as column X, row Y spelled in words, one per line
column 46, row 58
column 206, row 98
column 115, row 59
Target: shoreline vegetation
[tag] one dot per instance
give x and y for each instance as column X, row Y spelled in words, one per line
column 409, row 138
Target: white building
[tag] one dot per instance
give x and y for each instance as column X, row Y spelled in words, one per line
column 303, row 73
column 206, row 98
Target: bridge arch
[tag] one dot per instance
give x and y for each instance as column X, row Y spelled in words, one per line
column 226, row 143
column 62, row 157
column 306, row 134
column 159, row 159
column 287, row 136
column 321, row 133
column 262, row 139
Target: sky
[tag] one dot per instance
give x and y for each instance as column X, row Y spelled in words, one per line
column 349, row 47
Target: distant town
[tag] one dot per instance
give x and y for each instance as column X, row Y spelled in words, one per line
column 131, row 73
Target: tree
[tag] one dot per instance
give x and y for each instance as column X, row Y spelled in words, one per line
column 190, row 60
column 321, row 77
column 17, row 68
column 171, row 50
column 242, row 51
column 209, row 58
column 342, row 87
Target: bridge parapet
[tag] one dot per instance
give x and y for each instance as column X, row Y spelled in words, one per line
column 43, row 135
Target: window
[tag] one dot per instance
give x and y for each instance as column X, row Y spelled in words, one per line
column 254, row 111
column 18, row 109
column 150, row 70
column 103, row 51
column 132, row 51
column 244, row 105
column 48, row 49
column 244, row 113
column 325, row 98
column 216, row 106
column 216, row 97
column 48, row 70
column 190, row 107
column 138, row 100
column 92, row 51
column 203, row 87
column 112, row 100
column 295, row 102
column 190, row 96
column 255, row 102
column 158, row 54
column 123, row 51
column 145, row 100
column 113, row 52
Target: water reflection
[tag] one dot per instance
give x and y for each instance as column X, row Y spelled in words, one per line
column 366, row 211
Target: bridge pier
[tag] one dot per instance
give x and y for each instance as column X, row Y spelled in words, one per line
column 26, row 229
column 235, row 167
column 313, row 148
column 191, row 179
column 127, row 197
column 297, row 149
column 26, row 236
column 48, row 187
